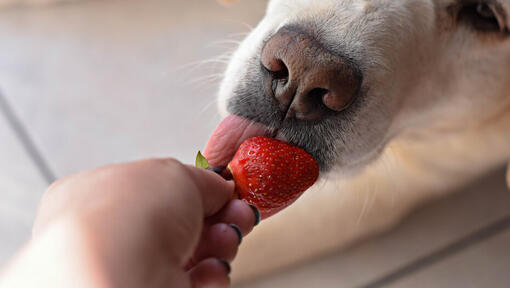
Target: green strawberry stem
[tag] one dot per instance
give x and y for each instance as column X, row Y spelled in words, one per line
column 201, row 162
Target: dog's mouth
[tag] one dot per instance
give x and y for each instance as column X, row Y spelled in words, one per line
column 229, row 135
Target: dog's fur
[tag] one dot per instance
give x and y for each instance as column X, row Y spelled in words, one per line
column 434, row 114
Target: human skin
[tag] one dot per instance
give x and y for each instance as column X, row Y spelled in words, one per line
column 151, row 223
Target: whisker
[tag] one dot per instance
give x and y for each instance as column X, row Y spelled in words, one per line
column 192, row 66
column 387, row 160
column 229, row 42
column 208, row 105
column 206, row 77
column 199, row 64
column 239, row 34
column 363, row 208
column 246, row 25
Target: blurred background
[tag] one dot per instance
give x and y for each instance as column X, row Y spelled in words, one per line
column 94, row 82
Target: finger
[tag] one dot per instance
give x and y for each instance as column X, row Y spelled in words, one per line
column 218, row 241
column 210, row 273
column 508, row 175
column 215, row 191
column 239, row 213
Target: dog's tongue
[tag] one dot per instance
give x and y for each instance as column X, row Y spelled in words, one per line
column 227, row 137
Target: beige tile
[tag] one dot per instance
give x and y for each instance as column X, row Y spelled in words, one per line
column 104, row 81
column 483, row 265
column 430, row 228
column 21, row 186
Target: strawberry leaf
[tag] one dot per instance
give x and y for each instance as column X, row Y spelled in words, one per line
column 201, row 162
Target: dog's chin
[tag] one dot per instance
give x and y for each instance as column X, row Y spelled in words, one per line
column 349, row 169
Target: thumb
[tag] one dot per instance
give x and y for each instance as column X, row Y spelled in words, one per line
column 214, row 190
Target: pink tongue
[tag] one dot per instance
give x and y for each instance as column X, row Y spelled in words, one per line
column 227, row 137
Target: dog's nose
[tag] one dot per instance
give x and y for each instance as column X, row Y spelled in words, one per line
column 307, row 79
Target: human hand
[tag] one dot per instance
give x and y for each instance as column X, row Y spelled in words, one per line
column 153, row 223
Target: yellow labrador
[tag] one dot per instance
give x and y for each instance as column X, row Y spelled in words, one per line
column 401, row 101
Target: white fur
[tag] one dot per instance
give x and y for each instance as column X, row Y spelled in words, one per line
column 441, row 99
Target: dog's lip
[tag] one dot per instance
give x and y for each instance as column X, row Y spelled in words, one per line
column 227, row 137
column 279, row 136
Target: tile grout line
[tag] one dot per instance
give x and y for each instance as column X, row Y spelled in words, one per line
column 26, row 140
column 442, row 253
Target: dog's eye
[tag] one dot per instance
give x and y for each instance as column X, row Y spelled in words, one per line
column 483, row 17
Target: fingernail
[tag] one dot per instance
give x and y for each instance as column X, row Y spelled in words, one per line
column 216, row 169
column 257, row 214
column 238, row 231
column 226, row 264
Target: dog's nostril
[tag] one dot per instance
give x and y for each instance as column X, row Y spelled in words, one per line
column 317, row 94
column 277, row 68
column 336, row 101
column 327, row 98
column 282, row 73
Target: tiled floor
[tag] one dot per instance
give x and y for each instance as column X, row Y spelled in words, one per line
column 107, row 81
column 21, row 185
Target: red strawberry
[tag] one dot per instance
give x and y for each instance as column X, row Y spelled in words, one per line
column 272, row 174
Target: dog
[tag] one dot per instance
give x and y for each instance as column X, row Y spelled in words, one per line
column 400, row 101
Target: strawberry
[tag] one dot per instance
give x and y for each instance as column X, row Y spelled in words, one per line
column 268, row 173
column 272, row 174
